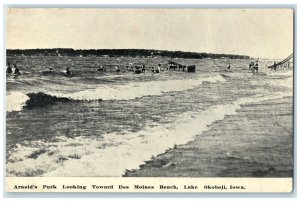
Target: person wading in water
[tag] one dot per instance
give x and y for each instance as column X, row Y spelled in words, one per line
column 9, row 69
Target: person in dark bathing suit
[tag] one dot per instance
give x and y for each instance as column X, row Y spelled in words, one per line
column 256, row 67
column 251, row 65
column 67, row 71
column 16, row 71
column 158, row 69
column 228, row 68
column 101, row 69
column 275, row 66
column 152, row 70
column 8, row 69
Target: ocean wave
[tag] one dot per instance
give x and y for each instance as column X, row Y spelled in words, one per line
column 41, row 99
column 281, row 73
column 137, row 90
column 113, row 154
column 286, row 80
column 16, row 101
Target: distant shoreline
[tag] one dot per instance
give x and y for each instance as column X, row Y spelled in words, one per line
column 119, row 52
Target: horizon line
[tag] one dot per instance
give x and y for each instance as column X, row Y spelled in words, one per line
column 132, row 49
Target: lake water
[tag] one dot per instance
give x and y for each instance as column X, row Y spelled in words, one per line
column 104, row 123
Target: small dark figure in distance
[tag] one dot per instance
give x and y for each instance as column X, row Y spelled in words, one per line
column 275, row 66
column 143, row 68
column 8, row 69
column 118, row 68
column 137, row 70
column 101, row 69
column 256, row 67
column 152, row 70
column 16, row 71
column 251, row 65
column 67, row 71
column 158, row 68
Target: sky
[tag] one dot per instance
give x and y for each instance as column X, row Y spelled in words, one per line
column 264, row 33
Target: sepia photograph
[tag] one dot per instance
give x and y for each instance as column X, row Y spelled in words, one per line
column 149, row 93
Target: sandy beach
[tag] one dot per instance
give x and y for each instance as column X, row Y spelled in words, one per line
column 255, row 142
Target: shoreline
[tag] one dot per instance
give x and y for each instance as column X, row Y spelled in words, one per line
column 261, row 145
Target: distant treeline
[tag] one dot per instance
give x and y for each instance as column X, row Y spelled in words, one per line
column 118, row 53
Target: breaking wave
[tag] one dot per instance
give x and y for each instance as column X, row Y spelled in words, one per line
column 113, row 154
column 137, row 90
column 16, row 101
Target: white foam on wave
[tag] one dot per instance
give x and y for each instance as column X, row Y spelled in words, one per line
column 113, row 154
column 140, row 89
column 286, row 80
column 281, row 73
column 117, row 76
column 15, row 101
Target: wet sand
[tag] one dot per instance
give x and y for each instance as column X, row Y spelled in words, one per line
column 256, row 142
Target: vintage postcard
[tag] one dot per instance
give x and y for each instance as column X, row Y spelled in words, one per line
column 149, row 100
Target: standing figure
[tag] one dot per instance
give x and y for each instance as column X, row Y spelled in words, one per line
column 275, row 66
column 152, row 70
column 228, row 68
column 251, row 65
column 256, row 67
column 158, row 68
